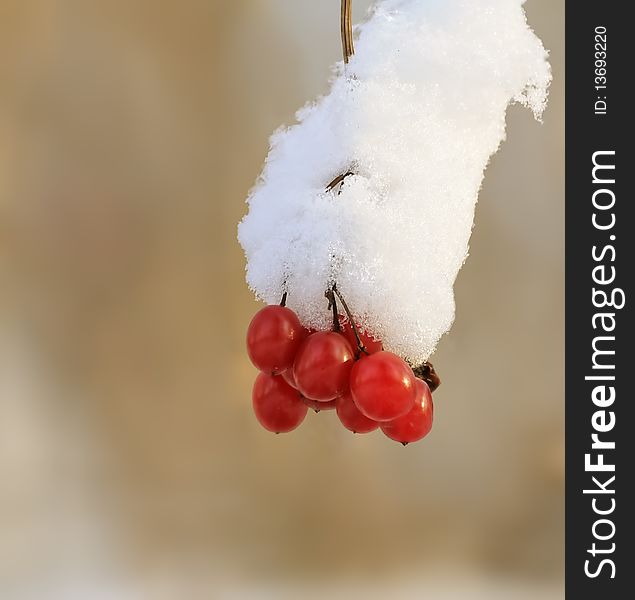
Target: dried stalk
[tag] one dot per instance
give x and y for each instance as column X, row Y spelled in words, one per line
column 346, row 24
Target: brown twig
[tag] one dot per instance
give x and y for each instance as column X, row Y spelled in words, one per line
column 346, row 25
column 333, row 306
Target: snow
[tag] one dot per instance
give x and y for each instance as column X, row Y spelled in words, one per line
column 416, row 115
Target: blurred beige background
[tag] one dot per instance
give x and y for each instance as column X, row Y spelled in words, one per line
column 130, row 463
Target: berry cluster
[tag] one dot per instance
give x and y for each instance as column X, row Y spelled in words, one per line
column 341, row 369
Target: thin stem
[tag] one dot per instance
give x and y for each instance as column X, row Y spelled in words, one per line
column 283, row 301
column 333, row 306
column 346, row 26
column 360, row 345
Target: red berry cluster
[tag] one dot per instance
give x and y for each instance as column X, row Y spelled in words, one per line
column 343, row 370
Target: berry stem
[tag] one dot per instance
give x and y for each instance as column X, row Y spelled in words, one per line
column 360, row 345
column 333, row 306
column 283, row 301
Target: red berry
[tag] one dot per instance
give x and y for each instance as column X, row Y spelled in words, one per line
column 372, row 345
column 273, row 338
column 351, row 417
column 416, row 423
column 278, row 407
column 383, row 386
column 317, row 406
column 323, row 365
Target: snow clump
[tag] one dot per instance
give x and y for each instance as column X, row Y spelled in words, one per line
column 415, row 116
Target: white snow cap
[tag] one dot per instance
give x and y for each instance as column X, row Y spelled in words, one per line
column 415, row 115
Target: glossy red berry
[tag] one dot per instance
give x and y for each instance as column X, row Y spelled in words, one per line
column 317, row 406
column 323, row 365
column 369, row 342
column 383, row 386
column 417, row 422
column 351, row 417
column 278, row 407
column 273, row 339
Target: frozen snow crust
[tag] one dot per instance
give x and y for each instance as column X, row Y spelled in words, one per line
column 415, row 115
